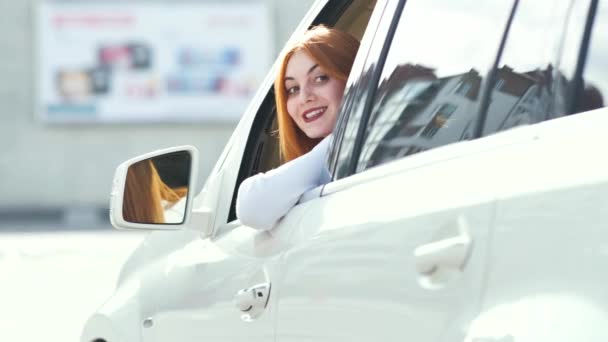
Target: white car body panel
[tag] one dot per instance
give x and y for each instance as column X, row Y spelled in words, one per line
column 335, row 268
column 551, row 221
column 201, row 280
column 353, row 258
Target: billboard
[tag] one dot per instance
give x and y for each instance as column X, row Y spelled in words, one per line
column 150, row 62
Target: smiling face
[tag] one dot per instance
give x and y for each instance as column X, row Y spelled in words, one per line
column 313, row 96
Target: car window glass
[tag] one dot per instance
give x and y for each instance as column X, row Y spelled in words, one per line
column 428, row 94
column 595, row 75
column 523, row 92
column 358, row 88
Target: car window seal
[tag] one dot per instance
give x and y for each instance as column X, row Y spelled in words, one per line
column 484, row 102
column 577, row 80
column 373, row 85
column 355, row 88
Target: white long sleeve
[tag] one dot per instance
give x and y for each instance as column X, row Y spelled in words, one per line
column 265, row 198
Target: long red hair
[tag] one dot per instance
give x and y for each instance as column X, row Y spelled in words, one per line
column 334, row 51
column 145, row 192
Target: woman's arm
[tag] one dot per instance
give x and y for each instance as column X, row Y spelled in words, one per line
column 265, row 198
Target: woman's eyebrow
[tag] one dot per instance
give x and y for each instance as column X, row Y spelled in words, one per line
column 312, row 68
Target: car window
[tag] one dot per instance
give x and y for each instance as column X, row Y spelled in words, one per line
column 358, row 88
column 594, row 85
column 262, row 149
column 524, row 91
column 428, row 92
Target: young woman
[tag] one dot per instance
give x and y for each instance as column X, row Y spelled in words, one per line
column 308, row 93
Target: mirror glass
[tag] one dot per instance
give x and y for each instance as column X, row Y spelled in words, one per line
column 156, row 189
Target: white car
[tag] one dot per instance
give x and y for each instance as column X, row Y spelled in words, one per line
column 466, row 203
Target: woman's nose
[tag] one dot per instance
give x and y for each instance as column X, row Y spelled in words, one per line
column 307, row 94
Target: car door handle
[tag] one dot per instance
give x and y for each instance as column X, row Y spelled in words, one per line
column 451, row 253
column 252, row 301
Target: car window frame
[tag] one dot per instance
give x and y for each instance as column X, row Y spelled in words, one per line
column 355, row 90
column 322, row 12
column 373, row 87
column 576, row 90
column 491, row 77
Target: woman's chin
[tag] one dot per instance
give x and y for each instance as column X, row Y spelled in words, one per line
column 317, row 134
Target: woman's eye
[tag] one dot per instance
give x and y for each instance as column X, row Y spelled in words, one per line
column 292, row 90
column 321, row 78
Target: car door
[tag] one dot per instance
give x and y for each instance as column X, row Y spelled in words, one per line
column 193, row 296
column 395, row 247
column 546, row 279
column 189, row 293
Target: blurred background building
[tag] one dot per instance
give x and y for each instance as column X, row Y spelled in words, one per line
column 60, row 171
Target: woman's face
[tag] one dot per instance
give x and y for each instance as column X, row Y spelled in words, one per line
column 313, row 97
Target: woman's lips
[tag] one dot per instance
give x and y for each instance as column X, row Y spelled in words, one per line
column 313, row 114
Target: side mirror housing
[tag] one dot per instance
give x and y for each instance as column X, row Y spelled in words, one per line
column 155, row 190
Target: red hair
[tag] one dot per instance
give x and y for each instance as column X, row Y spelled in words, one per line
column 334, row 51
column 145, row 192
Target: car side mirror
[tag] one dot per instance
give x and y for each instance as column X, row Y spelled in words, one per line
column 155, row 190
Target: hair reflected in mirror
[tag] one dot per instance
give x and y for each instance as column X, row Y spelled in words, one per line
column 156, row 189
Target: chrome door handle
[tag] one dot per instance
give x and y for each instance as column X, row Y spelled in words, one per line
column 252, row 301
column 451, row 253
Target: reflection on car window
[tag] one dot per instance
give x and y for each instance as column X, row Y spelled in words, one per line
column 525, row 84
column 428, row 94
column 595, row 76
column 356, row 97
